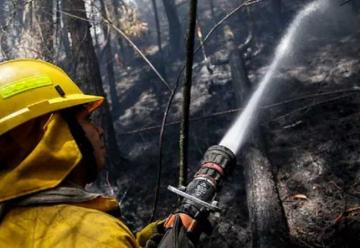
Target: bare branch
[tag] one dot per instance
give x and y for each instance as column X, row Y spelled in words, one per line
column 162, row 79
column 217, row 25
column 135, row 47
column 161, row 142
column 311, row 105
column 236, row 110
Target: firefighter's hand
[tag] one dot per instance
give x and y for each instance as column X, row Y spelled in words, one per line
column 154, row 241
column 151, row 235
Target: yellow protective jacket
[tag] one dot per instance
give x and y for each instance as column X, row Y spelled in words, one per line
column 37, row 157
column 63, row 225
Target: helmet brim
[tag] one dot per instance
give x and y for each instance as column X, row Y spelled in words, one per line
column 52, row 105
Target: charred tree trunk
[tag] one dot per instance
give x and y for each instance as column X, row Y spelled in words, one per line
column 184, row 129
column 267, row 219
column 85, row 68
column 116, row 108
column 43, row 12
column 160, row 63
column 5, row 49
column 57, row 17
column 239, row 75
column 58, row 30
column 36, row 37
column 64, row 42
column 122, row 46
column 157, row 24
column 94, row 11
column 175, row 34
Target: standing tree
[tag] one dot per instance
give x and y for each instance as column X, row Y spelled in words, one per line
column 161, row 62
column 62, row 32
column 116, row 13
column 175, row 33
column 85, row 66
column 35, row 35
column 5, row 50
column 43, row 12
column 116, row 108
column 184, row 129
column 157, row 24
column 239, row 75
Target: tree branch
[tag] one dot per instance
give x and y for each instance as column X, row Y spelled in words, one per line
column 236, row 110
column 134, row 46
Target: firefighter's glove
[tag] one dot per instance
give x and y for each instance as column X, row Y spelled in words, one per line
column 151, row 235
column 177, row 236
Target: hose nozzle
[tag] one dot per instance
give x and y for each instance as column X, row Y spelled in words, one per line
column 220, row 157
column 200, row 193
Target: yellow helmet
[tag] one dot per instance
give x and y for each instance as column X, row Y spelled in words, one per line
column 30, row 88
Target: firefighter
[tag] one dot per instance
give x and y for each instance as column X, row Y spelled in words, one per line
column 49, row 150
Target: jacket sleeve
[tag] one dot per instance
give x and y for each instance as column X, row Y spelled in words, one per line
column 112, row 232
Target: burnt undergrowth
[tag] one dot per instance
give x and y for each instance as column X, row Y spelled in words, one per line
column 312, row 135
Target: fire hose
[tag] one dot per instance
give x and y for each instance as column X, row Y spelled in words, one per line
column 199, row 199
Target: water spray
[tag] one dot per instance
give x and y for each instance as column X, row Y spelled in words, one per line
column 237, row 134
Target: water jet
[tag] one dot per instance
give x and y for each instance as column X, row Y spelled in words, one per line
column 238, row 132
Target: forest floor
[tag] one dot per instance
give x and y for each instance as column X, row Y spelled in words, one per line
column 312, row 138
column 315, row 145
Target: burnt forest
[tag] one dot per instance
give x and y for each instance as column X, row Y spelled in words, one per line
column 276, row 82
